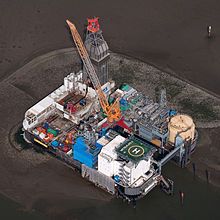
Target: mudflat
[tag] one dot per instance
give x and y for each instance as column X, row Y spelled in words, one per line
column 41, row 182
column 169, row 34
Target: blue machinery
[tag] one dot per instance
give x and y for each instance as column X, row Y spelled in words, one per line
column 83, row 153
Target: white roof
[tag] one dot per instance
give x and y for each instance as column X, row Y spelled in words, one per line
column 41, row 106
column 103, row 141
column 109, row 148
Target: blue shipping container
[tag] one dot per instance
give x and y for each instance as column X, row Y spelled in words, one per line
column 82, row 154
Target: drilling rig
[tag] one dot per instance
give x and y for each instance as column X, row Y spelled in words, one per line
column 112, row 111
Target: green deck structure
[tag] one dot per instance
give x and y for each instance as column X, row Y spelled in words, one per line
column 125, row 87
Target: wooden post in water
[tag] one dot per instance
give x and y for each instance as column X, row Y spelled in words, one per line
column 194, row 169
column 207, row 176
column 209, row 31
column 181, row 194
column 134, row 203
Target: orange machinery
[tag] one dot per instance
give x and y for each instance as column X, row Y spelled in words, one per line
column 112, row 111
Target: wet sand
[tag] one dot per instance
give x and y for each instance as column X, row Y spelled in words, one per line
column 34, row 180
column 170, row 35
column 43, row 183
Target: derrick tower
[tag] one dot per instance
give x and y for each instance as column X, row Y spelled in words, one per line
column 97, row 49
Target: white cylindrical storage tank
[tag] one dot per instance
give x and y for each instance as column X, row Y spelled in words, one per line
column 66, row 83
column 181, row 125
column 71, row 83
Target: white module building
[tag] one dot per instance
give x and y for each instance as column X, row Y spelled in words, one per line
column 112, row 163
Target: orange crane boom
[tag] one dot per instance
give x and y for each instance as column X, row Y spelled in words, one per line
column 112, row 111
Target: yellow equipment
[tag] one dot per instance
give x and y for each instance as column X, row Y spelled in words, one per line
column 112, row 111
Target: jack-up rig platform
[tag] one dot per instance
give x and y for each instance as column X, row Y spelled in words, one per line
column 117, row 138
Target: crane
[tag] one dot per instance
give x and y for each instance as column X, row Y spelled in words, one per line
column 112, row 111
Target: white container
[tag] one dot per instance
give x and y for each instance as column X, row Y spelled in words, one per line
column 60, row 107
column 66, row 116
column 103, row 141
column 42, row 136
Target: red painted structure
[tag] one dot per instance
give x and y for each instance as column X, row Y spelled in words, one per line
column 71, row 107
column 122, row 124
column 93, row 25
